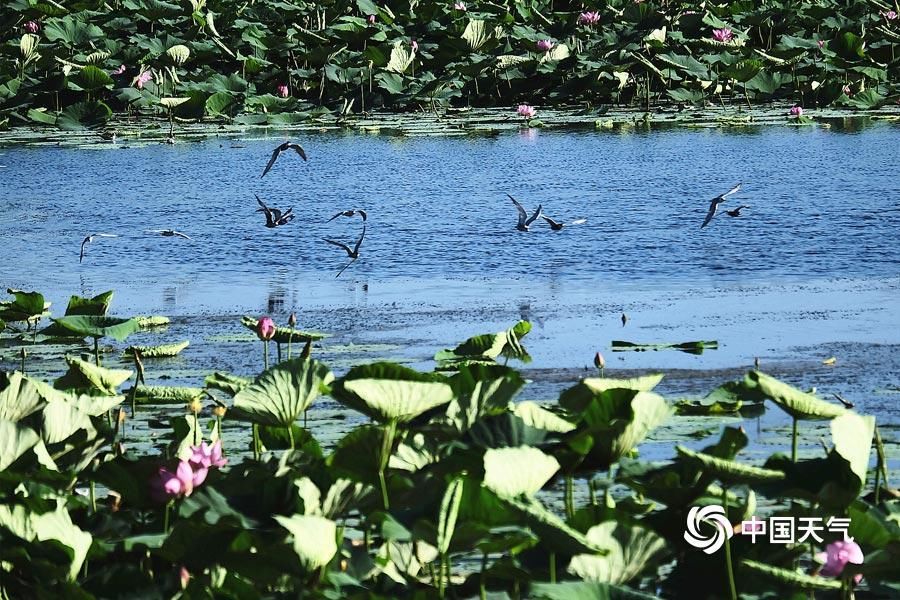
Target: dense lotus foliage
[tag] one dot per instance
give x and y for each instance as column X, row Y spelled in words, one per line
column 72, row 63
column 443, row 486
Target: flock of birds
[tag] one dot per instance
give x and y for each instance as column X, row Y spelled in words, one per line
column 275, row 217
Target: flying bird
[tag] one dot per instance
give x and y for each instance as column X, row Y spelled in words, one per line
column 277, row 152
column 353, row 254
column 556, row 225
column 90, row 239
column 349, row 213
column 715, row 202
column 736, row 212
column 168, row 233
column 274, row 216
column 524, row 219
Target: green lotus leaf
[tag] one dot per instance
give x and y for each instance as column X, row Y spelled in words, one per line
column 522, row 471
column 477, row 33
column 793, row 579
column 284, row 334
column 389, row 392
column 55, row 525
column 489, row 346
column 94, row 406
column 281, row 394
column 71, row 32
column 179, row 53
column 632, row 550
column 729, row 471
column 226, row 382
column 796, row 403
column 60, row 420
column 19, row 398
column 357, row 455
column 85, row 376
column 218, row 102
column 313, row 539
column 481, row 390
column 84, row 115
column 164, row 394
column 15, row 440
column 555, row 535
column 449, row 513
column 97, row 327
column 165, row 350
column 171, row 103
column 401, row 58
column 91, row 78
column 535, row 416
column 149, row 322
column 852, row 436
column 97, row 306
column 504, row 430
column 584, row 590
column 24, row 307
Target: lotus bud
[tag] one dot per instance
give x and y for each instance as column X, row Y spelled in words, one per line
column 371, row 19
column 283, row 91
column 796, row 111
column 219, row 411
column 115, row 500
column 184, row 576
column 599, row 361
column 195, row 406
column 292, row 320
column 414, row 45
column 545, row 45
column 265, row 329
column 121, row 416
column 460, row 6
column 32, row 26
column 837, row 555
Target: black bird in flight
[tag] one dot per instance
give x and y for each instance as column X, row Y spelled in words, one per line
column 90, row 239
column 715, row 202
column 349, row 213
column 736, row 212
column 353, row 254
column 168, row 233
column 274, row 216
column 277, row 152
column 524, row 219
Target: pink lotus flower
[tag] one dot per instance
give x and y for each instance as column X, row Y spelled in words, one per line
column 461, row 6
column 184, row 576
column 589, row 18
column 837, row 555
column 821, row 44
column 526, row 111
column 890, row 15
column 265, row 329
column 796, row 111
column 414, row 45
column 723, row 35
column 118, row 71
column 283, row 90
column 179, row 484
column 205, row 456
column 846, row 89
column 371, row 19
column 32, row 26
column 143, row 78
column 545, row 45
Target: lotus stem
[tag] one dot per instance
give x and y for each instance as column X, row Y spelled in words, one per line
column 794, row 442
column 23, row 353
column 92, row 492
column 166, row 517
column 290, row 339
column 730, row 568
column 97, row 351
column 278, row 350
column 291, row 435
column 553, row 567
column 387, row 444
column 196, row 429
column 482, row 587
column 880, row 466
column 570, row 497
column 432, row 574
column 266, row 355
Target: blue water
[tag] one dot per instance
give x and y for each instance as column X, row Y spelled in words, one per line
column 823, row 203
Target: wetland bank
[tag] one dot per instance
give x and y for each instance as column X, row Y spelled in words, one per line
column 463, row 476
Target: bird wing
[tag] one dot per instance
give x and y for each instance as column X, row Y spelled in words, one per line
column 276, row 214
column 83, row 242
column 340, row 245
column 362, row 213
column 733, row 190
column 523, row 216
column 334, row 217
column 537, row 213
column 272, row 160
column 160, row 231
column 712, row 212
column 104, row 235
column 260, row 202
column 359, row 241
column 549, row 220
column 299, row 150
column 345, row 268
column 181, row 235
column 578, row 222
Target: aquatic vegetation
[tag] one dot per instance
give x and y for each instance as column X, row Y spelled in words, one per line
column 443, row 484
column 690, row 347
column 274, row 62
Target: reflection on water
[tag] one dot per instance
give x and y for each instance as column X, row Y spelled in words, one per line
column 823, row 202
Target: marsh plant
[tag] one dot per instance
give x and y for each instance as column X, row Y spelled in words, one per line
column 443, row 486
column 72, row 65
